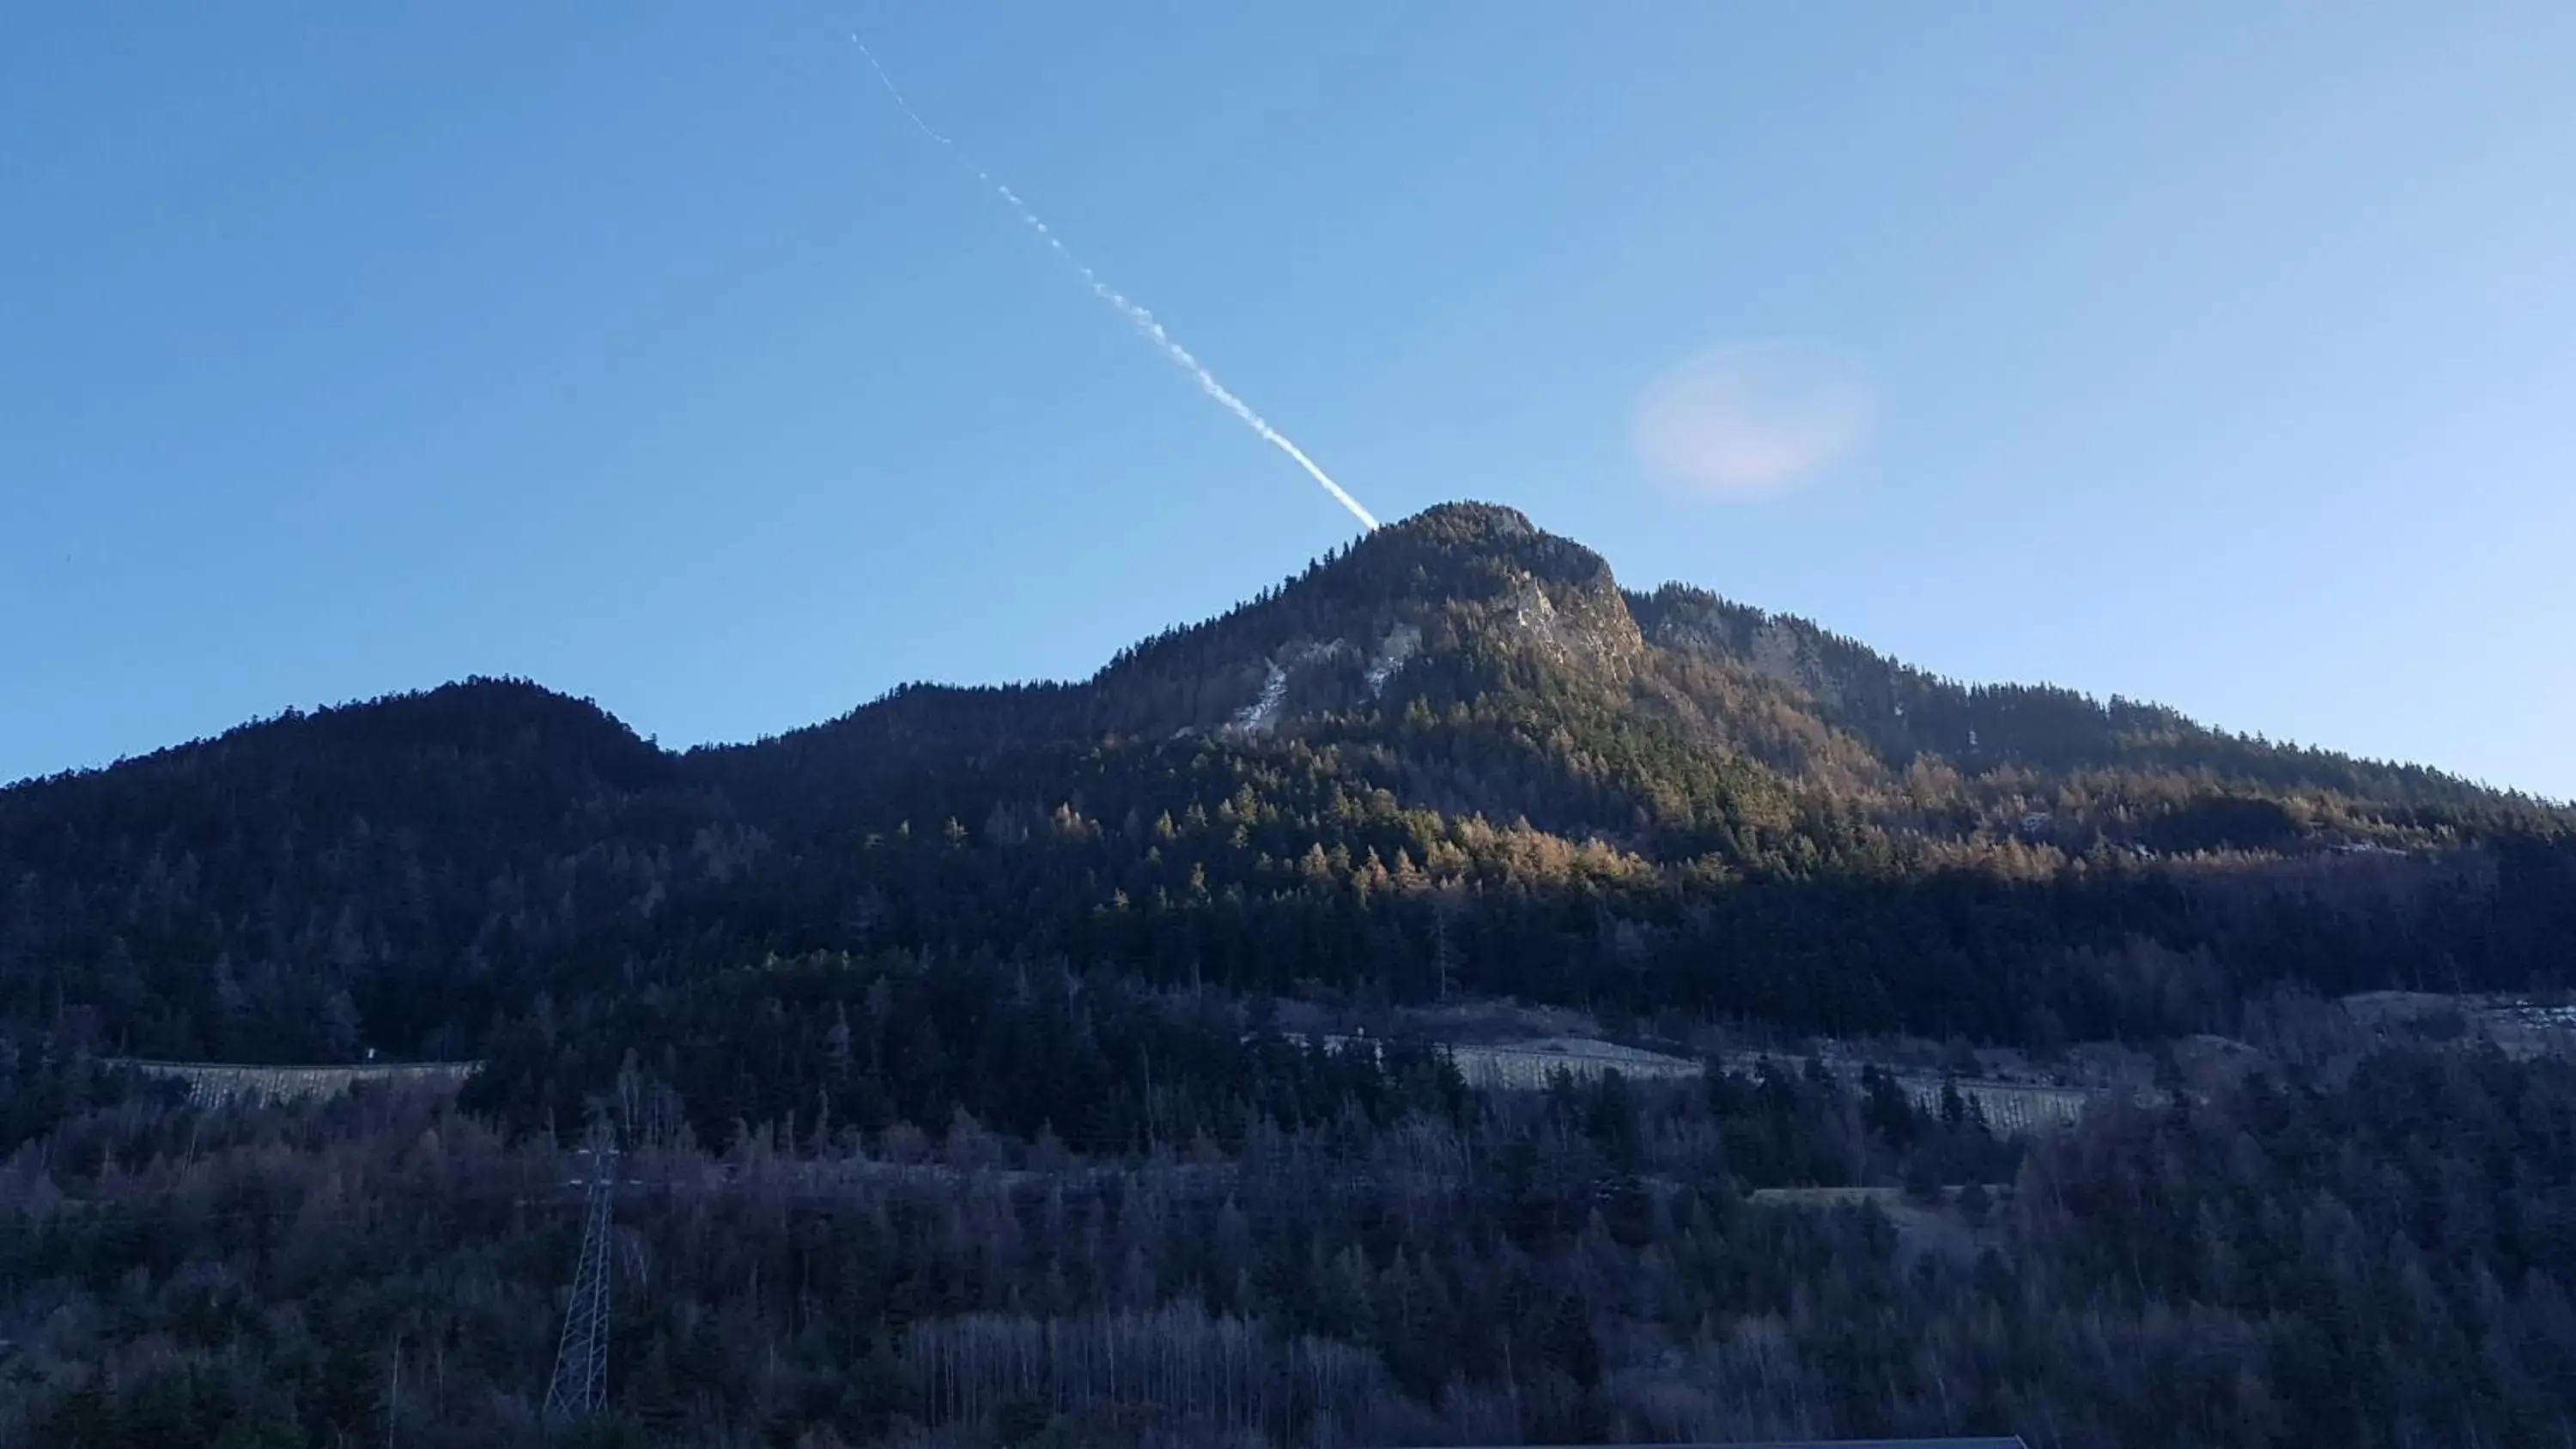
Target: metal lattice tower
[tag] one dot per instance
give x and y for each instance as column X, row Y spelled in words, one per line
column 580, row 1385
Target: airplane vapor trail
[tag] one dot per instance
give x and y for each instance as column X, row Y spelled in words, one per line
column 1137, row 316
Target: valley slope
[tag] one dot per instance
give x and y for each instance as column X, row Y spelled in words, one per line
column 1455, row 758
column 971, row 1058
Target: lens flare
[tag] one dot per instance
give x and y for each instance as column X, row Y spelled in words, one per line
column 1751, row 420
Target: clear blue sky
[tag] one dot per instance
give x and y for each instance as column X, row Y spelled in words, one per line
column 2222, row 354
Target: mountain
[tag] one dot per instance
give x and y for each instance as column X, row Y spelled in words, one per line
column 1469, row 605
column 1456, row 757
column 959, row 1052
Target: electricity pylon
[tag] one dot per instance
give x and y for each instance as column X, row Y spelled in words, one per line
column 580, row 1383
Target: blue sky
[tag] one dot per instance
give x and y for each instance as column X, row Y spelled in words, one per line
column 2223, row 355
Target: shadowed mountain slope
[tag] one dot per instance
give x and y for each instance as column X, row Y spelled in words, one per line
column 1455, row 756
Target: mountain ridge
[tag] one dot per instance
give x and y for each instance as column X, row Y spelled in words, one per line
column 1563, row 597
column 1861, row 692
column 1455, row 755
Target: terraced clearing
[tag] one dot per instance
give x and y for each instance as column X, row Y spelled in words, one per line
column 2012, row 1108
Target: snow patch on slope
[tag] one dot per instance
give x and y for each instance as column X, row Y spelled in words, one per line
column 1392, row 656
column 1262, row 715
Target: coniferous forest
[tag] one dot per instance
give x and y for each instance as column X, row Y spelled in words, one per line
column 963, row 1056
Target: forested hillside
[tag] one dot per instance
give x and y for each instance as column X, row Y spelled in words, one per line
column 1455, row 759
column 944, row 1042
column 1316, row 1253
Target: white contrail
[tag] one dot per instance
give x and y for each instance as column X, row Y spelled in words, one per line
column 1142, row 320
